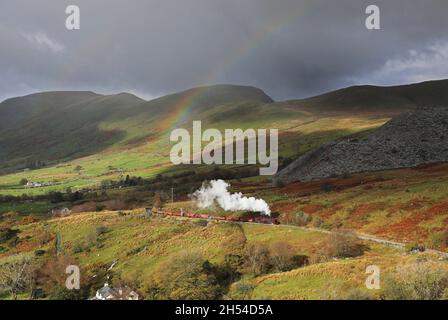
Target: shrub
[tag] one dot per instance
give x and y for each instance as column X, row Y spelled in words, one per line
column 224, row 273
column 99, row 207
column 92, row 240
column 8, row 235
column 317, row 221
column 344, row 245
column 244, row 289
column 236, row 261
column 283, row 257
column 23, row 181
column 62, row 293
column 78, row 249
column 417, row 281
column 301, row 219
column 101, row 230
column 202, row 223
column 185, row 275
column 16, row 276
column 44, row 237
column 258, row 259
column 157, row 201
column 39, row 253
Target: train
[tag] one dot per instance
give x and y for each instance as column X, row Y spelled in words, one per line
column 255, row 219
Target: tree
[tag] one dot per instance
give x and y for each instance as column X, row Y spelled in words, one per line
column 282, row 256
column 258, row 259
column 74, row 196
column 16, row 276
column 158, row 202
column 62, row 293
column 344, row 244
column 56, row 197
column 185, row 276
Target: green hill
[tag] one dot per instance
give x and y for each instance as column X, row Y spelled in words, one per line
column 55, row 126
column 393, row 99
column 109, row 136
column 58, row 126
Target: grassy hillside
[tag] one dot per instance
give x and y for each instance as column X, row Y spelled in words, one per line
column 139, row 246
column 15, row 111
column 51, row 127
column 88, row 139
column 408, row 205
column 142, row 148
column 108, row 137
column 376, row 99
column 56, row 126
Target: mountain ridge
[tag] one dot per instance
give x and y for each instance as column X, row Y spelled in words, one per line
column 58, row 126
column 362, row 98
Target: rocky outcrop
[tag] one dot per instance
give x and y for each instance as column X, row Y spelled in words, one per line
column 411, row 139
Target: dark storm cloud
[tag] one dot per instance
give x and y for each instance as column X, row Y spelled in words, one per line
column 289, row 48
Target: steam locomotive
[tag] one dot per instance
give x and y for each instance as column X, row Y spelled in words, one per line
column 257, row 219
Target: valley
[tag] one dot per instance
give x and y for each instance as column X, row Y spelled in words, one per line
column 79, row 169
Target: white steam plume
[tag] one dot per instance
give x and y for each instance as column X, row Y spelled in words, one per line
column 216, row 190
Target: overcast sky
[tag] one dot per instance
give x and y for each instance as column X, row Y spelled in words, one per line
column 289, row 48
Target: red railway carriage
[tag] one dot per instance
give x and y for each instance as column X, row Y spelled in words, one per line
column 266, row 219
column 258, row 219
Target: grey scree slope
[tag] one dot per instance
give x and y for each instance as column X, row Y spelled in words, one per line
column 409, row 140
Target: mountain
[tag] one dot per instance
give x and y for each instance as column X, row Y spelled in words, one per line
column 375, row 99
column 409, row 140
column 15, row 111
column 52, row 127
column 199, row 100
column 57, row 126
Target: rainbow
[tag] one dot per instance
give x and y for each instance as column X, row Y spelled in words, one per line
column 180, row 111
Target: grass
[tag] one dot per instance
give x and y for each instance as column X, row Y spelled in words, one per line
column 406, row 204
column 152, row 157
column 34, row 208
column 140, row 245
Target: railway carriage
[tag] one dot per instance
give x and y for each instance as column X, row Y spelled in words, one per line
column 257, row 219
